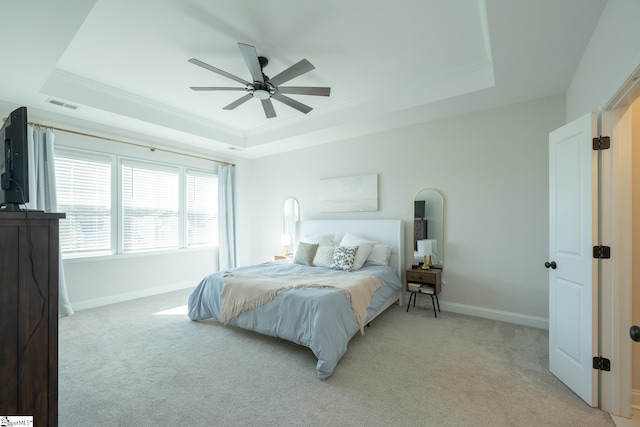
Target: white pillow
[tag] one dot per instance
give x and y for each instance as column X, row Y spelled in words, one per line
column 364, row 248
column 336, row 239
column 379, row 255
column 324, row 256
column 321, row 239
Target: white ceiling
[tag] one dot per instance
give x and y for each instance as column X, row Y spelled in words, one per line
column 389, row 64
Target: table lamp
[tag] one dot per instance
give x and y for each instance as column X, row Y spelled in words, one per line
column 286, row 241
column 425, row 250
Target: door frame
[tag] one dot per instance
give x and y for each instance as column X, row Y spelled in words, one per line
column 616, row 221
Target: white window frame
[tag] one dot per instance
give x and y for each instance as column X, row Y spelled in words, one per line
column 129, row 161
column 95, row 157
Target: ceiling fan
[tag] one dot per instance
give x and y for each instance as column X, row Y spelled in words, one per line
column 263, row 87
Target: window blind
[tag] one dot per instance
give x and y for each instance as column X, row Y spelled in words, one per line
column 202, row 209
column 150, row 206
column 84, row 195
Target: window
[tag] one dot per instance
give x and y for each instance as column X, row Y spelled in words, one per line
column 126, row 205
column 84, row 195
column 150, row 206
column 202, row 209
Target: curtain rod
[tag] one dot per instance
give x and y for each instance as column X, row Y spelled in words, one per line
column 131, row 143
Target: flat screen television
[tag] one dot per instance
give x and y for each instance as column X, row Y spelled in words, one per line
column 418, row 211
column 14, row 161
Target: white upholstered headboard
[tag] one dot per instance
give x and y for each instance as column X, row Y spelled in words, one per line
column 386, row 231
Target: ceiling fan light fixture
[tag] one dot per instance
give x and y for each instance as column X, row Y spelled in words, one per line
column 261, row 86
column 261, row 94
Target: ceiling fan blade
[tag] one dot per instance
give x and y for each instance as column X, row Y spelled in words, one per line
column 218, row 71
column 269, row 111
column 238, row 101
column 292, row 103
column 197, row 88
column 302, row 90
column 251, row 58
column 295, row 70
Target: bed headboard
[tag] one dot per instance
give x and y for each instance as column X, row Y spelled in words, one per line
column 386, row 231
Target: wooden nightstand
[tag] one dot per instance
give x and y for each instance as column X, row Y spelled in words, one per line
column 428, row 282
column 281, row 257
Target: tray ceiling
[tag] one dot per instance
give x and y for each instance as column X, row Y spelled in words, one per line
column 389, row 64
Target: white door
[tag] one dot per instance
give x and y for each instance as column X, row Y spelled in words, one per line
column 573, row 298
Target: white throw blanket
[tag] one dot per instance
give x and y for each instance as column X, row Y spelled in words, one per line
column 245, row 292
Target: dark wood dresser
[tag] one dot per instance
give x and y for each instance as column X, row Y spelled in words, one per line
column 419, row 231
column 29, row 248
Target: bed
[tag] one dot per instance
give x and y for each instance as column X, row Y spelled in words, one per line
column 312, row 305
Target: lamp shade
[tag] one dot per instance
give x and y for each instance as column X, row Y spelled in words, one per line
column 425, row 247
column 286, row 240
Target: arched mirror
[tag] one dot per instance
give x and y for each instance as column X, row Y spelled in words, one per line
column 428, row 227
column 290, row 216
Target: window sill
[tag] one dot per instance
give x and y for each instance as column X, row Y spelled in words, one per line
column 114, row 257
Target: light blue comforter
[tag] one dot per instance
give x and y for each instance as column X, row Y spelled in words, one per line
column 321, row 319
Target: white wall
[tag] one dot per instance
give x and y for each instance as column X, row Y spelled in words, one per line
column 492, row 168
column 612, row 54
column 95, row 282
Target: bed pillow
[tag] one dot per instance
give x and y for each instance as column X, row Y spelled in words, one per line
column 324, row 256
column 343, row 258
column 379, row 255
column 305, row 253
column 364, row 248
column 337, row 238
column 320, row 239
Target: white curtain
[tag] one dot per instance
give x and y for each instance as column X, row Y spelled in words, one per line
column 42, row 193
column 227, row 216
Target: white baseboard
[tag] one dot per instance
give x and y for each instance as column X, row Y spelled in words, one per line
column 470, row 310
column 112, row 299
column 503, row 316
column 635, row 399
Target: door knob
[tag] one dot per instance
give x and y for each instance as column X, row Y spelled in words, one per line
column 551, row 264
column 635, row 333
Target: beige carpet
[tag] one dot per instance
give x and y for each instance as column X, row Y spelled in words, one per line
column 123, row 365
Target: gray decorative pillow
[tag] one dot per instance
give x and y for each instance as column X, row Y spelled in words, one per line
column 305, row 253
column 343, row 258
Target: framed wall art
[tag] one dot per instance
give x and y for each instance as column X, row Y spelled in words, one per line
column 349, row 194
